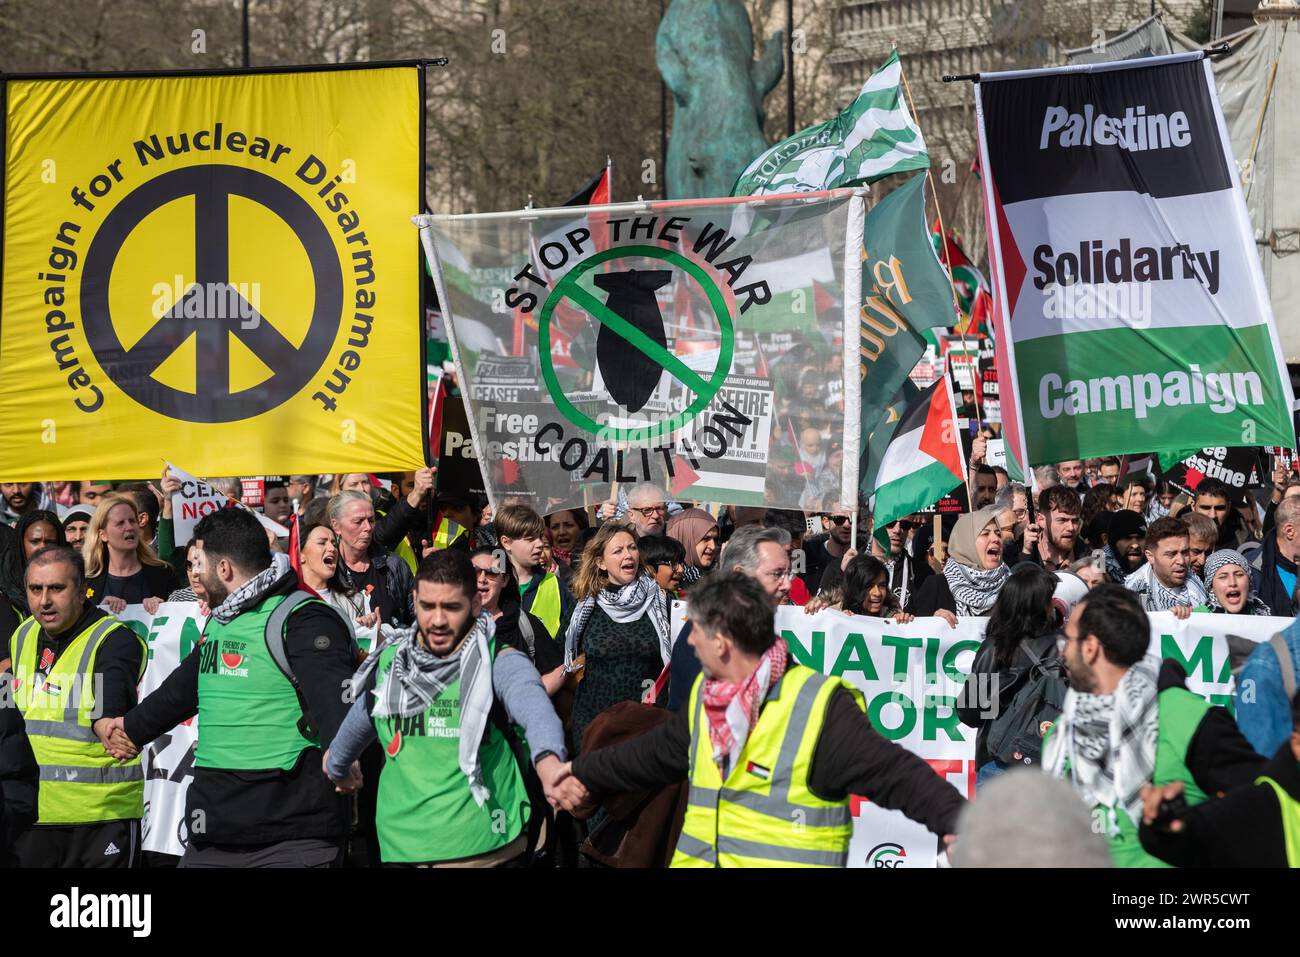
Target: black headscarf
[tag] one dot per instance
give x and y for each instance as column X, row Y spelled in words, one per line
column 30, row 519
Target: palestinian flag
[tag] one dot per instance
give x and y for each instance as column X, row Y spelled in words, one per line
column 595, row 193
column 967, row 280
column 924, row 460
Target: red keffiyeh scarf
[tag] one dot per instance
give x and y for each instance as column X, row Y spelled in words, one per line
column 732, row 709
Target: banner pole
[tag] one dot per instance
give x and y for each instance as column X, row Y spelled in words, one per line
column 641, row 206
column 943, row 241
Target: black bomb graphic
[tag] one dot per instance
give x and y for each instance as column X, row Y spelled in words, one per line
column 629, row 374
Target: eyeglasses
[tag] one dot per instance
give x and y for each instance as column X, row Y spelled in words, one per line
column 777, row 576
column 488, row 573
column 650, row 510
column 1062, row 642
column 675, row 566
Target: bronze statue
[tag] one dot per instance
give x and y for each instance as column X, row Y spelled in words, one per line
column 705, row 53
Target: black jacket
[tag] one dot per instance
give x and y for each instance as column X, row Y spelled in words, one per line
column 160, row 581
column 246, row 808
column 933, row 595
column 974, row 709
column 1263, row 577
column 545, row 652
column 396, row 600
column 402, row 521
column 1241, row 829
column 906, row 575
column 850, row 757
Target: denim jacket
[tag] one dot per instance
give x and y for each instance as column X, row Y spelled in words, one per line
column 1263, row 711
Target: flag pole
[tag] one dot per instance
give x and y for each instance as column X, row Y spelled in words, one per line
column 943, row 238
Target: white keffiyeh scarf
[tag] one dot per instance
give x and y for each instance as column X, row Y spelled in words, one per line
column 1106, row 744
column 417, row 676
column 638, row 598
column 974, row 589
column 1158, row 597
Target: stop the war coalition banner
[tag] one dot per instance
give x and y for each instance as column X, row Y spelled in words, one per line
column 656, row 342
column 221, row 266
column 910, row 676
column 1133, row 314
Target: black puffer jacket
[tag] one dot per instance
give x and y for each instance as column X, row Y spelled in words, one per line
column 397, row 585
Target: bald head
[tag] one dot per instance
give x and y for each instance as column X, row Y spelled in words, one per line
column 1025, row 818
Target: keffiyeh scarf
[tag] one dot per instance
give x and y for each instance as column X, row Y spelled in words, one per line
column 732, row 709
column 1254, row 606
column 638, row 598
column 417, row 676
column 1106, row 744
column 1114, row 570
column 252, row 591
column 1160, row 597
column 1230, row 556
column 974, row 589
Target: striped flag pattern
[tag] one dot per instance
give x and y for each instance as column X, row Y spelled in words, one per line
column 874, row 138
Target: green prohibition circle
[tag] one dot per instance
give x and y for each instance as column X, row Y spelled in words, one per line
column 703, row 396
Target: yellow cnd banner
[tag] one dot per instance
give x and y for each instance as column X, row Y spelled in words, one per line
column 216, row 269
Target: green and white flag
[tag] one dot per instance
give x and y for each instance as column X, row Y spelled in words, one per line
column 875, row 137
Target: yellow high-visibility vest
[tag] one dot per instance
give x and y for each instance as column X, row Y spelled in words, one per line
column 546, row 604
column 79, row 782
column 448, row 532
column 765, row 814
column 1290, row 808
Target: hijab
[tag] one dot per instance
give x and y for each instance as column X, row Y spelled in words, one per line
column 689, row 526
column 974, row 588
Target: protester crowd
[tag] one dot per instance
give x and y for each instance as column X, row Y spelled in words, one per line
column 515, row 692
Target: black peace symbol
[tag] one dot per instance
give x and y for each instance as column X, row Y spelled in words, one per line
column 212, row 401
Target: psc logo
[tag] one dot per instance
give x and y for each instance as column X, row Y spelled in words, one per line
column 886, row 855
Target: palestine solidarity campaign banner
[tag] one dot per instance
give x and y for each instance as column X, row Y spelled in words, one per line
column 1132, row 309
column 666, row 342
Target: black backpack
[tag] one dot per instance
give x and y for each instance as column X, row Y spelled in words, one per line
column 1016, row 734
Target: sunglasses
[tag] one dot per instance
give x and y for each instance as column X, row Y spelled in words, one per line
column 902, row 523
column 839, row 519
